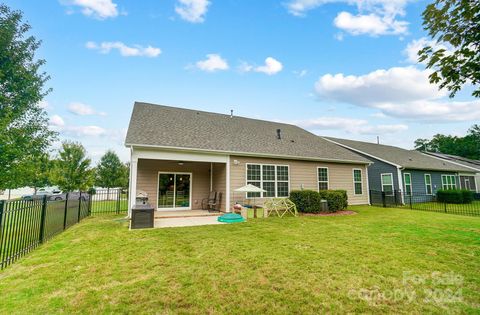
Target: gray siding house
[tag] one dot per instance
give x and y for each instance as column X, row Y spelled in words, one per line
column 467, row 181
column 408, row 171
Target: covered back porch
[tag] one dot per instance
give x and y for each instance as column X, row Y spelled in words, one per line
column 179, row 183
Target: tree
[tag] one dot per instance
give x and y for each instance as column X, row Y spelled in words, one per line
column 454, row 23
column 110, row 172
column 468, row 146
column 72, row 168
column 23, row 123
column 38, row 172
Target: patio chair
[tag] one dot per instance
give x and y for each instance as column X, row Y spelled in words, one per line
column 211, row 202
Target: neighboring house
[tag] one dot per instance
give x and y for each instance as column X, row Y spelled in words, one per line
column 467, row 181
column 179, row 155
column 397, row 169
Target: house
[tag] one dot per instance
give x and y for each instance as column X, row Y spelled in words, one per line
column 180, row 155
column 467, row 181
column 408, row 171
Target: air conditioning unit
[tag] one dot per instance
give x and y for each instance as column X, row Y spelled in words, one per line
column 142, row 217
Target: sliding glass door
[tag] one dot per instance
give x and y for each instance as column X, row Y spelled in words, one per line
column 174, row 191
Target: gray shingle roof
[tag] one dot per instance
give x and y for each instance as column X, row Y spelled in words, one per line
column 410, row 159
column 457, row 159
column 164, row 126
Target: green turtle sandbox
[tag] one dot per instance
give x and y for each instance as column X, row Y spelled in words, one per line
column 231, row 218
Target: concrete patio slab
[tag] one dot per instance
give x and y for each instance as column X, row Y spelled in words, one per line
column 188, row 221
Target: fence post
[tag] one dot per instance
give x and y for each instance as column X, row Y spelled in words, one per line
column 384, row 199
column 90, row 196
column 411, row 207
column 119, row 191
column 79, row 206
column 41, row 238
column 445, row 206
column 65, row 212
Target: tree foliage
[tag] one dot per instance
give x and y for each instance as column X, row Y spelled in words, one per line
column 468, row 146
column 38, row 172
column 455, row 23
column 23, row 123
column 72, row 169
column 110, row 171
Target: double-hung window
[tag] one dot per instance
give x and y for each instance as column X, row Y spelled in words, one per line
column 407, row 178
column 428, row 184
column 274, row 179
column 322, row 178
column 357, row 182
column 448, row 182
column 387, row 183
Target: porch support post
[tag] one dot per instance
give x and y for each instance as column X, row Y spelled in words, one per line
column 211, row 176
column 227, row 184
column 132, row 184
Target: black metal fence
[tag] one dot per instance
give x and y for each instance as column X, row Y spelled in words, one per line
column 109, row 201
column 416, row 201
column 25, row 224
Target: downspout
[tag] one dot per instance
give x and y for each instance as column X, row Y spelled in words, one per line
column 368, row 184
column 400, row 183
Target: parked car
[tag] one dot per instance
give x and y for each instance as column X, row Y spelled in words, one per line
column 40, row 193
column 74, row 195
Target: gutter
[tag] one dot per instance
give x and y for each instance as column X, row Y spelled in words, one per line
column 288, row 157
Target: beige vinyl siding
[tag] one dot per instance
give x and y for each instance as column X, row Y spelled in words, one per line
column 219, row 180
column 302, row 173
column 147, row 178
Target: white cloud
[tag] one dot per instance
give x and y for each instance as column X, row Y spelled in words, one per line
column 300, row 73
column 126, row 51
column 411, row 51
column 403, row 92
column 93, row 131
column 192, row 10
column 350, row 125
column 214, row 62
column 371, row 24
column 57, row 121
column 374, row 17
column 272, row 66
column 100, row 9
column 83, row 109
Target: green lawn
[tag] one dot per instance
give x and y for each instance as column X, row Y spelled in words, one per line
column 378, row 261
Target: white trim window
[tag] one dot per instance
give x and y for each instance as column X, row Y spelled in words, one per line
column 387, row 183
column 449, row 182
column 322, row 176
column 357, row 181
column 272, row 178
column 428, row 184
column 407, row 181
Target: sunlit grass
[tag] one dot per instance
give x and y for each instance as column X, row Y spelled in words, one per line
column 290, row 265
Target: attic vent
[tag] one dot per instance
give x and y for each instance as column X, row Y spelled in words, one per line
column 279, row 134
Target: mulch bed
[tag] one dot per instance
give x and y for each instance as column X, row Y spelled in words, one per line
column 330, row 214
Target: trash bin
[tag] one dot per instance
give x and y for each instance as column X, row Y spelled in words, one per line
column 142, row 216
column 323, row 205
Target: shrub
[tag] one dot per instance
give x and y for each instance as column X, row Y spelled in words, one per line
column 306, row 200
column 468, row 196
column 336, row 199
column 455, row 196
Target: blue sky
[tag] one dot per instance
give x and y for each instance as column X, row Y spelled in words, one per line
column 337, row 68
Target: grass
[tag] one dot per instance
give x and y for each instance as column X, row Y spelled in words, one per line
column 290, row 265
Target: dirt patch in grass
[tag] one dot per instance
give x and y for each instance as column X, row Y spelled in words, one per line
column 329, row 214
